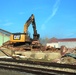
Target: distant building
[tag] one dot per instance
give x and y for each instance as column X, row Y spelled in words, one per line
column 53, row 43
column 4, row 36
column 57, row 43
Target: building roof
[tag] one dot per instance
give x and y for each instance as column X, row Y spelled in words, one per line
column 55, row 40
column 67, row 40
column 5, row 32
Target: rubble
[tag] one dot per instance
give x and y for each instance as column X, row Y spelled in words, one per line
column 61, row 55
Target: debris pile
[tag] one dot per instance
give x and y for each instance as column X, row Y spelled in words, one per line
column 62, row 55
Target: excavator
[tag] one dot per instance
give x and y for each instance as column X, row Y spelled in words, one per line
column 24, row 39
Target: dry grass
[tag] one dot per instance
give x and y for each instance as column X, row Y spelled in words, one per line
column 68, row 60
column 40, row 55
column 53, row 55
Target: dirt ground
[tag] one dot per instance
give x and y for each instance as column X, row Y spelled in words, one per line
column 39, row 55
column 7, row 51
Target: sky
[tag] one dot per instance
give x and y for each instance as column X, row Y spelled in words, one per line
column 54, row 18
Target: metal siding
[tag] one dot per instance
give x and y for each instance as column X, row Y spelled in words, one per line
column 3, row 38
column 6, row 38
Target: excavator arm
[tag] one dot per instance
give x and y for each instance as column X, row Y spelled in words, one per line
column 29, row 21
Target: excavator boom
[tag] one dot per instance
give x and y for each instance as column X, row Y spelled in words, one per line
column 29, row 21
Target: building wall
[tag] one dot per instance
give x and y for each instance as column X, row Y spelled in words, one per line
column 59, row 44
column 3, row 38
column 52, row 45
column 67, row 44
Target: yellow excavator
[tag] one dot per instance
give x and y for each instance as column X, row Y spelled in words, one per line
column 19, row 39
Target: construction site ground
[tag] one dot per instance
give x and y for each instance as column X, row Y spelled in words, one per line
column 48, row 56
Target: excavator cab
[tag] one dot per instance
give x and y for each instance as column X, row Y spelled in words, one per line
column 19, row 37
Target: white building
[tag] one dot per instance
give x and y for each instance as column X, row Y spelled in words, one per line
column 57, row 43
column 53, row 43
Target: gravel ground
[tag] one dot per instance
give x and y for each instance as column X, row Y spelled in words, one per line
column 10, row 72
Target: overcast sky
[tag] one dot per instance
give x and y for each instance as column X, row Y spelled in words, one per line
column 54, row 18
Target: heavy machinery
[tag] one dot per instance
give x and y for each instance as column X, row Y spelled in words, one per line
column 24, row 39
